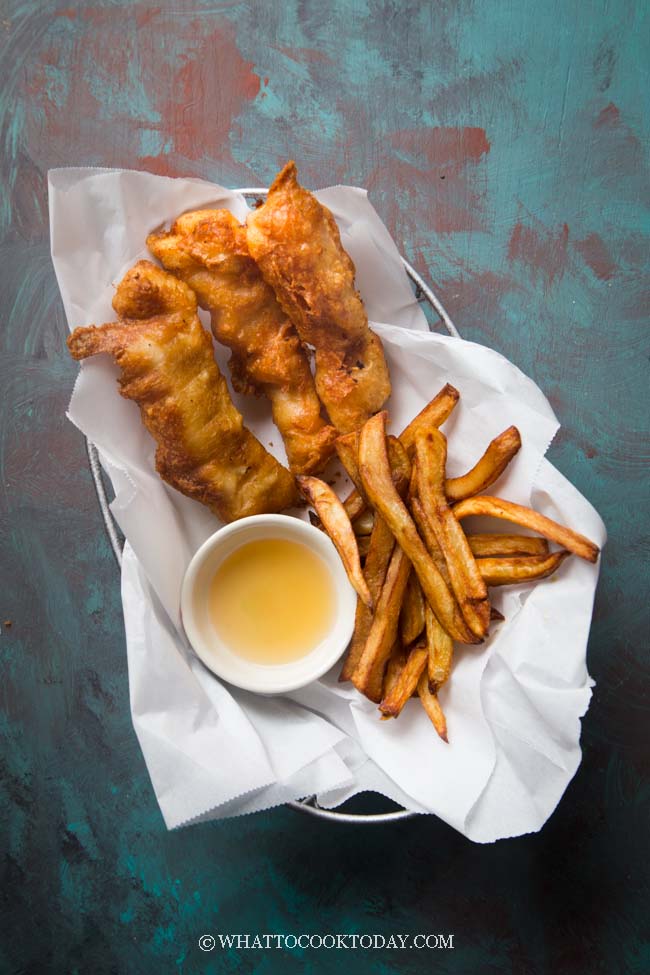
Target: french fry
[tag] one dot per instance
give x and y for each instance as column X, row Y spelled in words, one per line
column 394, row 667
column 381, row 548
column 406, row 683
column 512, row 571
column 364, row 524
column 466, row 580
column 377, row 481
column 368, row 675
column 486, row 546
column 411, row 619
column 488, row 469
column 495, row 615
column 347, row 448
column 527, row 518
column 354, row 505
column 337, row 525
column 440, row 648
column 400, row 466
column 434, row 414
column 431, row 705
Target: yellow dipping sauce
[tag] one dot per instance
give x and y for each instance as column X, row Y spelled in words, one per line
column 272, row 601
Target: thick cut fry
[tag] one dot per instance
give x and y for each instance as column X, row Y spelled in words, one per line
column 486, row 546
column 425, row 528
column 411, row 620
column 495, row 615
column 347, row 448
column 440, row 647
column 394, row 668
column 527, row 518
column 207, row 249
column 382, row 544
column 513, row 571
column 405, row 684
column 297, row 246
column 466, row 580
column 337, row 525
column 431, row 705
column 376, row 477
column 368, row 675
column 168, row 368
column 364, row 524
column 434, row 414
column 488, row 469
column 354, row 505
column 400, row 466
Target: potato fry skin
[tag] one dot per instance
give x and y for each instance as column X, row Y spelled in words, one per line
column 337, row 525
column 432, row 707
column 466, row 580
column 519, row 515
column 489, row 546
column 513, row 571
column 369, row 673
column 440, row 647
column 434, row 414
column 405, row 684
column 376, row 477
column 488, row 469
column 411, row 621
column 381, row 548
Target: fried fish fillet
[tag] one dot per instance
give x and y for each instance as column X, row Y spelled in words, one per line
column 207, row 249
column 168, row 368
column 297, row 245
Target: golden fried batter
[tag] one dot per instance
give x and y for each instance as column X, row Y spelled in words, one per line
column 296, row 243
column 207, row 249
column 168, row 368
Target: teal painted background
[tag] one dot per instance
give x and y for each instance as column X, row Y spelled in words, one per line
column 506, row 146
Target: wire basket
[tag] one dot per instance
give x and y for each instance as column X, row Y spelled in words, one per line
column 430, row 302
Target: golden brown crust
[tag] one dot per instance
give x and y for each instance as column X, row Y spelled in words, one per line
column 168, row 368
column 297, row 245
column 208, row 250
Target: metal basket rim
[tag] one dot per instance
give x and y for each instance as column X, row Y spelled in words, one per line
column 308, row 805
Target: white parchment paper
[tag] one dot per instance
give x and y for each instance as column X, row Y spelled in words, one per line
column 513, row 706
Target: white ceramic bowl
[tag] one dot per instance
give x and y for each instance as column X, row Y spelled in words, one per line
column 215, row 654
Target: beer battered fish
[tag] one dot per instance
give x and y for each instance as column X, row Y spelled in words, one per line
column 168, row 368
column 207, row 249
column 296, row 243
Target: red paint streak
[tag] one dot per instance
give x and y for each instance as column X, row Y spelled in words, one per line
column 541, row 249
column 441, row 166
column 597, row 256
column 203, row 93
column 610, row 116
column 443, row 146
column 196, row 84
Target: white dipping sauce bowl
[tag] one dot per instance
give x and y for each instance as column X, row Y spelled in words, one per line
column 210, row 647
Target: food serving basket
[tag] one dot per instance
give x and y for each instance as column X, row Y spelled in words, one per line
column 436, row 316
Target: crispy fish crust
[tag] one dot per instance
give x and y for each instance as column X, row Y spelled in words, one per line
column 207, row 249
column 168, row 368
column 296, row 243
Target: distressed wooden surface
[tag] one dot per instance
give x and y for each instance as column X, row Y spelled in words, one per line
column 506, row 146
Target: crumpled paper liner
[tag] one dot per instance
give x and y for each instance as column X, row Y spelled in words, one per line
column 513, row 706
